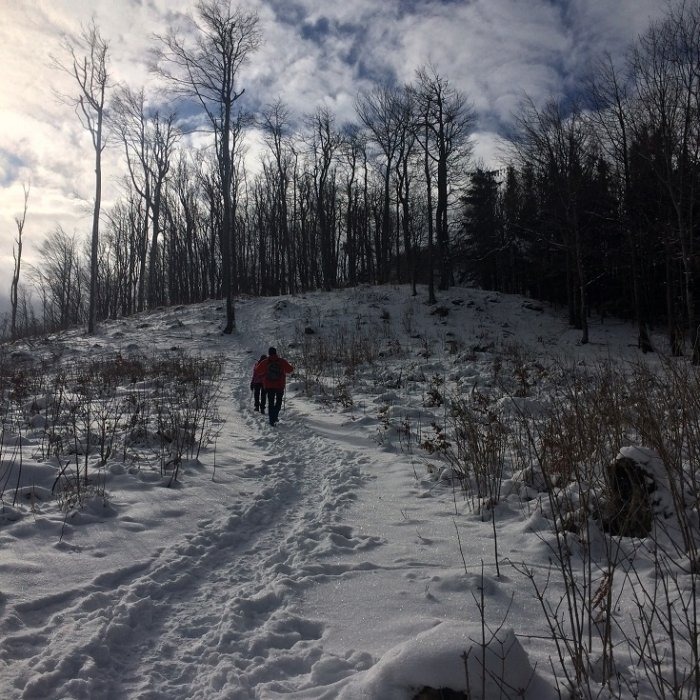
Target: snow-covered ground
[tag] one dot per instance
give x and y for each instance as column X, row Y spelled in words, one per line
column 320, row 558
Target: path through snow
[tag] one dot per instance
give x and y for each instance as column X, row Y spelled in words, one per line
column 302, row 561
column 215, row 613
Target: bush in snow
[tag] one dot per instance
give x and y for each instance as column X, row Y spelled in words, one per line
column 84, row 414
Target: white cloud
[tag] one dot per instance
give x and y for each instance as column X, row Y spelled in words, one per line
column 488, row 149
column 314, row 53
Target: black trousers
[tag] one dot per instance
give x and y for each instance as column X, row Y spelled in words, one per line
column 274, row 399
column 259, row 396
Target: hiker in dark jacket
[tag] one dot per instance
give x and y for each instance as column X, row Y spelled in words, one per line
column 274, row 370
column 256, row 386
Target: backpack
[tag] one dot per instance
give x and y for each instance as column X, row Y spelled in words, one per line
column 274, row 371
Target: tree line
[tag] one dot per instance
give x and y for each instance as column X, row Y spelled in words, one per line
column 596, row 206
column 593, row 207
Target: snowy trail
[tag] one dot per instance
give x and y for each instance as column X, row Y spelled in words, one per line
column 325, row 558
column 214, row 614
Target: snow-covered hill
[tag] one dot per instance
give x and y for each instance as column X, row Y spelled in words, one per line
column 328, row 556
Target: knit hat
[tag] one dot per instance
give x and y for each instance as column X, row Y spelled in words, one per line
column 272, row 351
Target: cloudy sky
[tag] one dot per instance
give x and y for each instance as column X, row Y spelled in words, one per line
column 314, row 52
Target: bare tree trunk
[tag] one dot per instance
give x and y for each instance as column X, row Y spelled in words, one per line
column 204, row 64
column 17, row 256
column 429, row 185
column 449, row 119
column 90, row 73
column 95, row 238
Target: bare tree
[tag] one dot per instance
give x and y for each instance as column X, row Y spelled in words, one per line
column 275, row 126
column 561, row 145
column 87, row 58
column 448, row 119
column 354, row 155
column 666, row 67
column 324, row 142
column 381, row 113
column 59, row 280
column 613, row 119
column 204, row 64
column 404, row 179
column 429, row 199
column 149, row 139
column 123, row 235
column 17, row 256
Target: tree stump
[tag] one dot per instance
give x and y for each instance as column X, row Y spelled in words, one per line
column 628, row 511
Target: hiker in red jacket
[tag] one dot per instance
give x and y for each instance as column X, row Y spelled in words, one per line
column 257, row 387
column 274, row 370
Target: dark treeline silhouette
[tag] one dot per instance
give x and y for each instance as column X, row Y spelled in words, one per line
column 593, row 208
column 596, row 209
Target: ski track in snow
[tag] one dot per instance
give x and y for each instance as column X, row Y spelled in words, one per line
column 213, row 615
